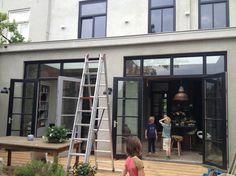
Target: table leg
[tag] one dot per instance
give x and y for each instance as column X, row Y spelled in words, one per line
column 55, row 157
column 9, row 157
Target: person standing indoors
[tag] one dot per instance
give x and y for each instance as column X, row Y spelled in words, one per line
column 151, row 134
column 166, row 124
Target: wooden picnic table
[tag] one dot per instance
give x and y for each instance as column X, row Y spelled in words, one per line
column 19, row 143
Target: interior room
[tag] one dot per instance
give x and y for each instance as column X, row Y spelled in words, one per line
column 181, row 100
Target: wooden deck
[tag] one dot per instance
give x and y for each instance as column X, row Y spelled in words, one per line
column 152, row 168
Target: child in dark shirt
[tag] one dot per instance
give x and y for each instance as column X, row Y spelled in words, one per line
column 151, row 134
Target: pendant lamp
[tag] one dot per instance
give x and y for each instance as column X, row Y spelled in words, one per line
column 181, row 95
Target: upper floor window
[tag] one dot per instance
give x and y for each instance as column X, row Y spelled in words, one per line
column 92, row 19
column 162, row 16
column 21, row 18
column 213, row 14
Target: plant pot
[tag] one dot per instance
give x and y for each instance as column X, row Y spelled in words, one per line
column 51, row 140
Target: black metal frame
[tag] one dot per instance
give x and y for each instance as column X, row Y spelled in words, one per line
column 90, row 16
column 10, row 106
column 160, row 8
column 224, row 121
column 212, row 3
column 172, row 56
column 114, row 105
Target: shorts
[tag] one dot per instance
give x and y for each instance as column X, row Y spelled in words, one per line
column 166, row 143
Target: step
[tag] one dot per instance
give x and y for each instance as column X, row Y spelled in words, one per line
column 105, row 169
column 103, row 161
column 101, row 119
column 91, row 73
column 104, row 130
column 92, row 61
column 83, row 124
column 89, row 85
column 81, row 139
column 100, row 107
column 87, row 98
column 102, row 151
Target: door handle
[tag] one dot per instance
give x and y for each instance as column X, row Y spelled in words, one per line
column 9, row 120
column 115, row 123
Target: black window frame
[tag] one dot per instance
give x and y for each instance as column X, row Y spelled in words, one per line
column 161, row 8
column 81, row 17
column 212, row 3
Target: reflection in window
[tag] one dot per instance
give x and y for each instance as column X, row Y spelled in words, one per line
column 156, row 67
column 50, row 70
column 73, row 69
column 215, row 64
column 31, row 71
column 162, row 16
column 92, row 19
column 188, row 66
column 213, row 14
column 133, row 67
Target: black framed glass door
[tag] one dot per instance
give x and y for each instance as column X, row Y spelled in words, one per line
column 127, row 101
column 214, row 110
column 22, row 107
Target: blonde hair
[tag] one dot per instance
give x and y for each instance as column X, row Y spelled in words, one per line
column 167, row 119
column 151, row 118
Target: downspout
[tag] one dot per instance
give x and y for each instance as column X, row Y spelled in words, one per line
column 49, row 14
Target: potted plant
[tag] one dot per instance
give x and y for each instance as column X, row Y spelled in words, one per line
column 56, row 134
column 84, row 169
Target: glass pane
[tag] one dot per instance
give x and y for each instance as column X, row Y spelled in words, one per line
column 131, row 125
column 27, row 124
column 87, row 28
column 220, row 15
column 119, row 126
column 70, row 89
column 156, row 21
column 31, row 71
column 18, row 89
column 100, row 26
column 168, row 20
column 120, row 145
column 133, row 67
column 188, row 65
column 16, row 120
column 131, row 107
column 120, row 91
column 214, row 153
column 15, row 133
column 50, row 70
column 119, row 107
column 73, row 69
column 93, row 8
column 215, row 64
column 156, row 67
column 214, row 130
column 28, row 106
column 206, row 16
column 158, row 3
column 69, row 106
column 29, row 90
column 131, row 89
column 67, row 122
column 17, row 105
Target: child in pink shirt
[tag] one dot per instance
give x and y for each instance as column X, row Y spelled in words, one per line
column 133, row 165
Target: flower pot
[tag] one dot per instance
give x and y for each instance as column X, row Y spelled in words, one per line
column 52, row 140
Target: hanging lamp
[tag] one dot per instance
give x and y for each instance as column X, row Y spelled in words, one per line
column 181, row 95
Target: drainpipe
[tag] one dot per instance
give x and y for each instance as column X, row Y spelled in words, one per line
column 49, row 19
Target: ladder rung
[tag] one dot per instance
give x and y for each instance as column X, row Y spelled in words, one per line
column 102, row 85
column 101, row 119
column 77, row 154
column 87, row 98
column 89, row 85
column 103, row 161
column 105, row 130
column 102, row 140
column 102, row 96
column 105, row 169
column 92, row 61
column 102, row 151
column 85, row 110
column 82, row 124
column 91, row 73
column 80, row 139
column 101, row 107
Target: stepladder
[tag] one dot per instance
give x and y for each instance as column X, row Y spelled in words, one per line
column 92, row 121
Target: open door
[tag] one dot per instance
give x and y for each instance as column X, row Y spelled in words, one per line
column 22, row 107
column 215, row 121
column 67, row 96
column 127, row 114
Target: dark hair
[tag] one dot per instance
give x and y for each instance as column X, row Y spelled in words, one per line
column 133, row 146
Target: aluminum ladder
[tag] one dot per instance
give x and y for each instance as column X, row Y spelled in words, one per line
column 97, row 93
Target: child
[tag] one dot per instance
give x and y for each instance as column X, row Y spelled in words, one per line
column 151, row 134
column 166, row 135
column 133, row 165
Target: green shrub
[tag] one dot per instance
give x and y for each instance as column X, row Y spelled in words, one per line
column 39, row 168
column 56, row 134
column 85, row 169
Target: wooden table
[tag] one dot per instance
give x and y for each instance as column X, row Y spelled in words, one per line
column 19, row 143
